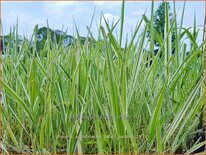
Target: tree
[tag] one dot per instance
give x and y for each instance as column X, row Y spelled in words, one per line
column 11, row 40
column 59, row 36
column 159, row 20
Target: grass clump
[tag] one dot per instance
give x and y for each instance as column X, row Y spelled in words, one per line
column 98, row 97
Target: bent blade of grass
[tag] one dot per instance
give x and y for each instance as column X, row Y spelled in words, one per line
column 157, row 36
column 24, row 88
column 178, row 140
column 12, row 135
column 65, row 72
column 17, row 99
column 42, row 69
column 181, row 114
column 197, row 146
column 95, row 94
column 185, row 64
column 18, row 120
column 191, row 37
column 117, row 48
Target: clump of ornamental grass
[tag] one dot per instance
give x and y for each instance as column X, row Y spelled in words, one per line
column 97, row 97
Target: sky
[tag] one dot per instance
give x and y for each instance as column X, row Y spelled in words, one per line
column 63, row 14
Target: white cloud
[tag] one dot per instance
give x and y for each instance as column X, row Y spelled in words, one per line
column 111, row 18
column 138, row 13
column 66, row 3
column 107, row 3
column 26, row 22
column 58, row 8
column 99, row 2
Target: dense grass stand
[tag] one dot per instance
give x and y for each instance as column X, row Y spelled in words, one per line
column 99, row 96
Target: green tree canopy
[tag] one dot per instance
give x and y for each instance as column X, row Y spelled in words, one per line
column 56, row 35
column 159, row 20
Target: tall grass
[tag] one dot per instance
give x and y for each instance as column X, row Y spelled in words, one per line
column 98, row 97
